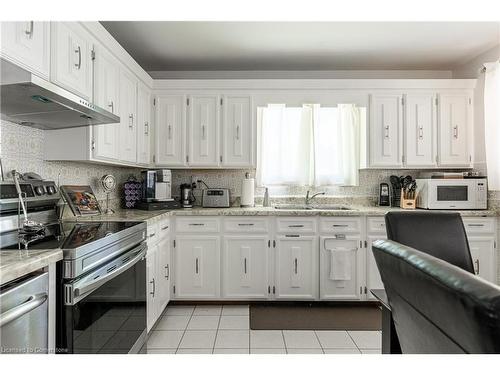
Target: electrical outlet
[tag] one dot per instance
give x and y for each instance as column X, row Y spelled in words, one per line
column 194, row 180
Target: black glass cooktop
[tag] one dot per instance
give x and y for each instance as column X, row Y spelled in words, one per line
column 73, row 235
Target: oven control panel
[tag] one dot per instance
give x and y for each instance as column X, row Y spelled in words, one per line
column 36, row 193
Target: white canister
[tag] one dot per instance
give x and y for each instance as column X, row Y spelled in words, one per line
column 248, row 191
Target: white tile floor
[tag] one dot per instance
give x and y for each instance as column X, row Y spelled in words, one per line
column 226, row 330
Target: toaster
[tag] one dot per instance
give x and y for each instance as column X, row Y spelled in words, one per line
column 215, row 198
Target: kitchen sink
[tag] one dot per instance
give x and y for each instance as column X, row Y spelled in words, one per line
column 312, row 207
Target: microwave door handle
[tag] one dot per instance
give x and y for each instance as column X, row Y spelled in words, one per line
column 85, row 288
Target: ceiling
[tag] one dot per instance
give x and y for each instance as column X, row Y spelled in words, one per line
column 216, row 46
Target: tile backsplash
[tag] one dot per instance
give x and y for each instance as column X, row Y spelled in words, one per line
column 22, row 148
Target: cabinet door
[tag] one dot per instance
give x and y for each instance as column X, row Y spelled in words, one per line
column 482, row 250
column 106, row 96
column 204, row 131
column 453, row 140
column 27, row 44
column 128, row 118
column 170, row 130
column 237, row 132
column 386, row 120
column 349, row 286
column 71, row 60
column 245, row 267
column 143, row 125
column 373, row 279
column 296, row 267
column 152, row 286
column 197, row 264
column 163, row 273
column 420, row 130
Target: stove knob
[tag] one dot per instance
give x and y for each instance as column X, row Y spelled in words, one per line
column 51, row 190
column 39, row 190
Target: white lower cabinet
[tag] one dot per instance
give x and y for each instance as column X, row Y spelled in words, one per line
column 482, row 251
column 341, row 265
column 245, row 267
column 152, row 305
column 197, row 267
column 163, row 273
column 296, row 267
column 373, row 279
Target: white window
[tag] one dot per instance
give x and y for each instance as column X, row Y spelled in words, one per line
column 309, row 145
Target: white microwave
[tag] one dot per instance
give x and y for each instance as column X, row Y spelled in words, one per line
column 452, row 194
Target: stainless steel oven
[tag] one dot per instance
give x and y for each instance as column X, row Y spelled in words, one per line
column 104, row 311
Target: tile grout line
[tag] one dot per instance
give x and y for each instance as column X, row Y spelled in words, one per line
column 217, row 330
column 354, row 341
column 185, row 329
column 319, row 342
column 284, row 341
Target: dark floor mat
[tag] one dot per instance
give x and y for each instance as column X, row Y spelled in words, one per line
column 290, row 317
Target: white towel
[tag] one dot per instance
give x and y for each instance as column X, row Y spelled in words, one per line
column 340, row 264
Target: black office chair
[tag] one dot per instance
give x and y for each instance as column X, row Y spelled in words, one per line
column 440, row 234
column 438, row 307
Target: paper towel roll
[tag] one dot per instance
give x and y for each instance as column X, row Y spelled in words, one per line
column 247, row 192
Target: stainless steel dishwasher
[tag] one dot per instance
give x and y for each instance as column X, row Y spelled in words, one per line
column 24, row 315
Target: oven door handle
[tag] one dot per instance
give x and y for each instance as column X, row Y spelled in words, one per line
column 85, row 288
column 32, row 303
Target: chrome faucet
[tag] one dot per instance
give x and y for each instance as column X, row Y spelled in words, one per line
column 310, row 198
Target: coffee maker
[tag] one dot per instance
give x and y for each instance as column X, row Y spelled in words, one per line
column 187, row 196
column 157, row 190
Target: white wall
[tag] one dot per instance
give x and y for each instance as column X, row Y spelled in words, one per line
column 472, row 69
column 292, row 74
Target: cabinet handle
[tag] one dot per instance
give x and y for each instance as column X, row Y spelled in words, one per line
column 476, row 268
column 197, row 224
column 295, row 265
column 455, row 132
column 131, row 122
column 274, row 243
column 196, row 266
column 386, row 131
column 154, row 287
column 475, row 225
column 146, row 128
column 168, row 272
column 79, row 64
column 169, row 131
column 165, row 227
column 296, row 226
column 112, row 106
column 203, row 132
column 245, row 224
column 238, row 132
column 420, row 132
column 245, row 264
column 29, row 31
column 151, row 235
column 340, row 225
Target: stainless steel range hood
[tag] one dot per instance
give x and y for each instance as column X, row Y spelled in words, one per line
column 32, row 101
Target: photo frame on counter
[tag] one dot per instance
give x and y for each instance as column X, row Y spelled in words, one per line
column 81, row 200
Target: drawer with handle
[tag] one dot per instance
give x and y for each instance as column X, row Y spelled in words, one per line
column 376, row 224
column 164, row 228
column 246, row 225
column 296, row 225
column 479, row 225
column 152, row 235
column 341, row 225
column 197, row 225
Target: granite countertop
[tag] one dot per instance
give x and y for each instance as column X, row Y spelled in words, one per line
column 17, row 263
column 139, row 215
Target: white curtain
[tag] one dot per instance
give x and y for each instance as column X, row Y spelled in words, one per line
column 311, row 145
column 492, row 123
column 285, row 146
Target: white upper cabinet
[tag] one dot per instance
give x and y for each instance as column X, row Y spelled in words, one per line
column 420, row 130
column 128, row 118
column 143, row 125
column 27, row 44
column 237, row 132
column 203, row 149
column 71, row 58
column 296, row 267
column 453, row 140
column 386, row 130
column 106, row 96
column 170, row 134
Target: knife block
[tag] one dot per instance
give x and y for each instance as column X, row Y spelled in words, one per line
column 408, row 203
